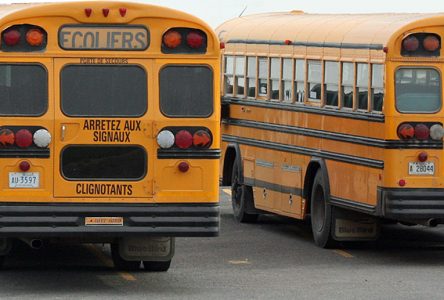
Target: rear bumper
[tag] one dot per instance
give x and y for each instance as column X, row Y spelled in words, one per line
column 68, row 220
column 411, row 204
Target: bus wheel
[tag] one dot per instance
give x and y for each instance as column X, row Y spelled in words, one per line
column 241, row 197
column 321, row 214
column 157, row 266
column 121, row 263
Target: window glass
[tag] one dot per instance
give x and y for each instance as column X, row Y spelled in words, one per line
column 228, row 76
column 418, row 90
column 23, row 90
column 377, row 87
column 104, row 162
column 229, row 65
column 240, row 65
column 186, row 91
column 347, row 84
column 104, row 90
column 331, row 81
column 362, row 85
column 314, row 79
column 240, row 76
column 251, row 73
column 275, row 74
column 300, row 80
column 287, row 77
column 263, row 77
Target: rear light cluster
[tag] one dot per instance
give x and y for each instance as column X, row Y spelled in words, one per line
column 421, row 44
column 24, row 138
column 184, row 40
column 184, row 138
column 420, row 131
column 24, row 38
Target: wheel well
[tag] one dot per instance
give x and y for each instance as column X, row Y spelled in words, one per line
column 312, row 169
column 230, row 157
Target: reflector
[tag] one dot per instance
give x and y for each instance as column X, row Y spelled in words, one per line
column 423, row 156
column 24, row 166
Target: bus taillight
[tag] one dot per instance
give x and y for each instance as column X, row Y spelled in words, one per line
column 406, row 131
column 23, row 138
column 201, row 139
column 431, row 43
column 195, row 39
column 11, row 37
column 410, row 44
column 184, row 139
column 165, row 139
column 34, row 37
column 422, row 132
column 172, row 39
column 437, row 132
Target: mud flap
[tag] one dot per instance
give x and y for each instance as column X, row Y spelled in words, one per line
column 353, row 226
column 147, row 248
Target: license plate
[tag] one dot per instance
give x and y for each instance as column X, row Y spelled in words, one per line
column 24, row 180
column 421, row 168
column 100, row 221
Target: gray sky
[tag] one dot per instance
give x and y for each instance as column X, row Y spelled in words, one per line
column 214, row 12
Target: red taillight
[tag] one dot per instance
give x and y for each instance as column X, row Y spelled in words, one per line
column 184, row 139
column 24, row 166
column 23, row 138
column 195, row 39
column 423, row 156
column 431, row 43
column 7, row 137
column 406, row 131
column 202, row 139
column 11, row 37
column 34, row 37
column 410, row 44
column 422, row 132
column 172, row 39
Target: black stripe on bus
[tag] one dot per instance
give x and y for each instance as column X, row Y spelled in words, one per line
column 189, row 154
column 341, row 137
column 307, row 109
column 355, row 160
column 353, row 205
column 310, row 44
column 22, row 153
column 273, row 186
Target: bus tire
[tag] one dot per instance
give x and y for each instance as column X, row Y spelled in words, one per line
column 121, row 263
column 241, row 197
column 157, row 266
column 321, row 213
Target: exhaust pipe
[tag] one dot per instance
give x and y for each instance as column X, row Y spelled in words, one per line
column 34, row 243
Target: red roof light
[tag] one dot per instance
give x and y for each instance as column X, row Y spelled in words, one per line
column 410, row 44
column 172, row 39
column 195, row 39
column 11, row 37
column 431, row 43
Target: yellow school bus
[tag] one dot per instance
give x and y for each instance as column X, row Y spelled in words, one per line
column 335, row 116
column 110, row 125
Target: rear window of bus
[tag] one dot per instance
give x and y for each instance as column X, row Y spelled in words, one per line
column 23, row 90
column 104, row 91
column 418, row 90
column 186, row 91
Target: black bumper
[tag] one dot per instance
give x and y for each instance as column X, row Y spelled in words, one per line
column 411, row 204
column 68, row 220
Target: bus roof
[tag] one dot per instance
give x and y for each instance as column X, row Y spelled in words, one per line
column 76, row 10
column 300, row 27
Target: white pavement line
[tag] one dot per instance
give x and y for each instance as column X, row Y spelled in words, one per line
column 343, row 253
column 227, row 191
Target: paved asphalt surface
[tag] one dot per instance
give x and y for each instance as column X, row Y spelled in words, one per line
column 273, row 259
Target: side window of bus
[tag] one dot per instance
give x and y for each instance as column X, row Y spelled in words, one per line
column 377, row 92
column 251, row 76
column 287, row 78
column 314, row 80
column 240, row 76
column 347, row 84
column 263, row 77
column 186, row 91
column 299, row 80
column 228, row 76
column 362, row 85
column 331, row 82
column 275, row 77
column 23, row 90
